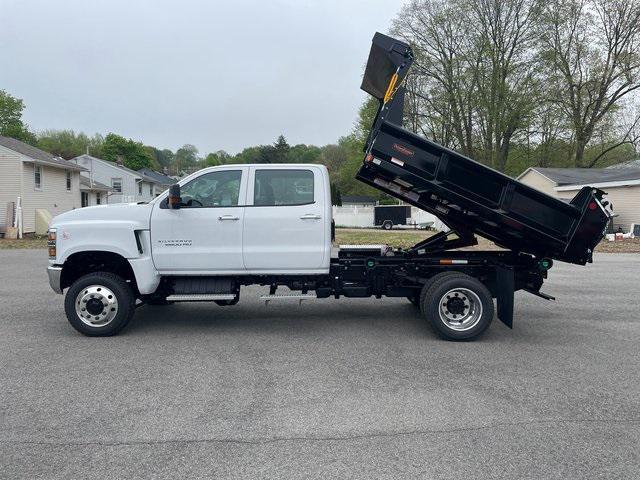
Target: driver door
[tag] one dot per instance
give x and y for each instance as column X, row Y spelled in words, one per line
column 205, row 234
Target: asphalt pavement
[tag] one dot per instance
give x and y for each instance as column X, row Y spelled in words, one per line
column 343, row 389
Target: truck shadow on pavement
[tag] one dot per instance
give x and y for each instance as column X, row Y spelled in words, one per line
column 259, row 318
column 397, row 318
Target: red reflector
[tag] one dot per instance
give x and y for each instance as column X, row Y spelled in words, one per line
column 369, row 158
column 593, row 205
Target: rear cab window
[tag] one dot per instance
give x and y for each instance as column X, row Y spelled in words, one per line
column 281, row 187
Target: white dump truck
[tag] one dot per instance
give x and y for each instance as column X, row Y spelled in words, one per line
column 226, row 227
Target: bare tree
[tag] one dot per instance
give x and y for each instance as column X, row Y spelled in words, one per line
column 507, row 91
column 628, row 134
column 447, row 83
column 478, row 68
column 591, row 49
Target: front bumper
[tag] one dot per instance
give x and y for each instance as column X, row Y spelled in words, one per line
column 55, row 274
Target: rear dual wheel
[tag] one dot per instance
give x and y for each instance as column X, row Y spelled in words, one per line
column 458, row 306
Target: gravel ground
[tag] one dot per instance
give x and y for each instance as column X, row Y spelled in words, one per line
column 332, row 389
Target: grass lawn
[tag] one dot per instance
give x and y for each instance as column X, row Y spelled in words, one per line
column 394, row 238
column 29, row 243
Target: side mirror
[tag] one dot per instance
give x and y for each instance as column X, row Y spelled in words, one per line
column 174, row 197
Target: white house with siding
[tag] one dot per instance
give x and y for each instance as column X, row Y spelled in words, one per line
column 163, row 182
column 42, row 181
column 621, row 183
column 126, row 185
column 93, row 193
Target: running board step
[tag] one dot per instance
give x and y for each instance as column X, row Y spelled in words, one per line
column 300, row 297
column 200, row 297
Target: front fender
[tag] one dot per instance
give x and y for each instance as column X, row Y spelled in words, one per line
column 120, row 229
column 99, row 235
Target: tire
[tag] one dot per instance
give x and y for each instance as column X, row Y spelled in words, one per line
column 106, row 302
column 458, row 306
column 436, row 278
column 387, row 224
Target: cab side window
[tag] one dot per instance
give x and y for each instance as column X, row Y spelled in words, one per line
column 213, row 189
column 283, row 187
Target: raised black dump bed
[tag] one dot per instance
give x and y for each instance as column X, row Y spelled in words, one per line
column 468, row 196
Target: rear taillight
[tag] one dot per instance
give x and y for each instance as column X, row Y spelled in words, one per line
column 51, row 242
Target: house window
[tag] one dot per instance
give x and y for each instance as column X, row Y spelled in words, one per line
column 140, row 188
column 151, row 189
column 68, row 181
column 84, row 199
column 37, row 177
column 98, row 199
column 116, row 184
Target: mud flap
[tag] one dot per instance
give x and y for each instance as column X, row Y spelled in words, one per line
column 505, row 284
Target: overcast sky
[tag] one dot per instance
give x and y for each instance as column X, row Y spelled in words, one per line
column 217, row 74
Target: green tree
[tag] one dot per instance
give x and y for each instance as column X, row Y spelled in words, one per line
column 69, row 144
column 247, row 155
column 165, row 158
column 302, row 153
column 334, row 157
column 212, row 160
column 281, row 149
column 186, row 158
column 131, row 154
column 218, row 158
column 11, row 124
column 366, row 116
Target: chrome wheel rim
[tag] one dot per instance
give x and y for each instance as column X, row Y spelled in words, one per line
column 96, row 306
column 460, row 309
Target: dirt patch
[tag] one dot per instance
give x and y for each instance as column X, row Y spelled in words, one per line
column 628, row 245
column 27, row 243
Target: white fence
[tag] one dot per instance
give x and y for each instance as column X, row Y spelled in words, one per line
column 353, row 216
column 362, row 217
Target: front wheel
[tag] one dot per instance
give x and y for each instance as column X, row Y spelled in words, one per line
column 99, row 304
column 387, row 225
column 458, row 306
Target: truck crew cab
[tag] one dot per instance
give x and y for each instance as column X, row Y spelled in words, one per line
column 234, row 225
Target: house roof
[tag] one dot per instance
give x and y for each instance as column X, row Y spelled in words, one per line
column 358, row 199
column 629, row 164
column 583, row 176
column 88, row 185
column 160, row 178
column 37, row 155
column 121, row 167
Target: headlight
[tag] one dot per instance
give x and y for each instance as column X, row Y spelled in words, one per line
column 51, row 242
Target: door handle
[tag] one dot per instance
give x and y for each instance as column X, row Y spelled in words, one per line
column 310, row 216
column 228, row 217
